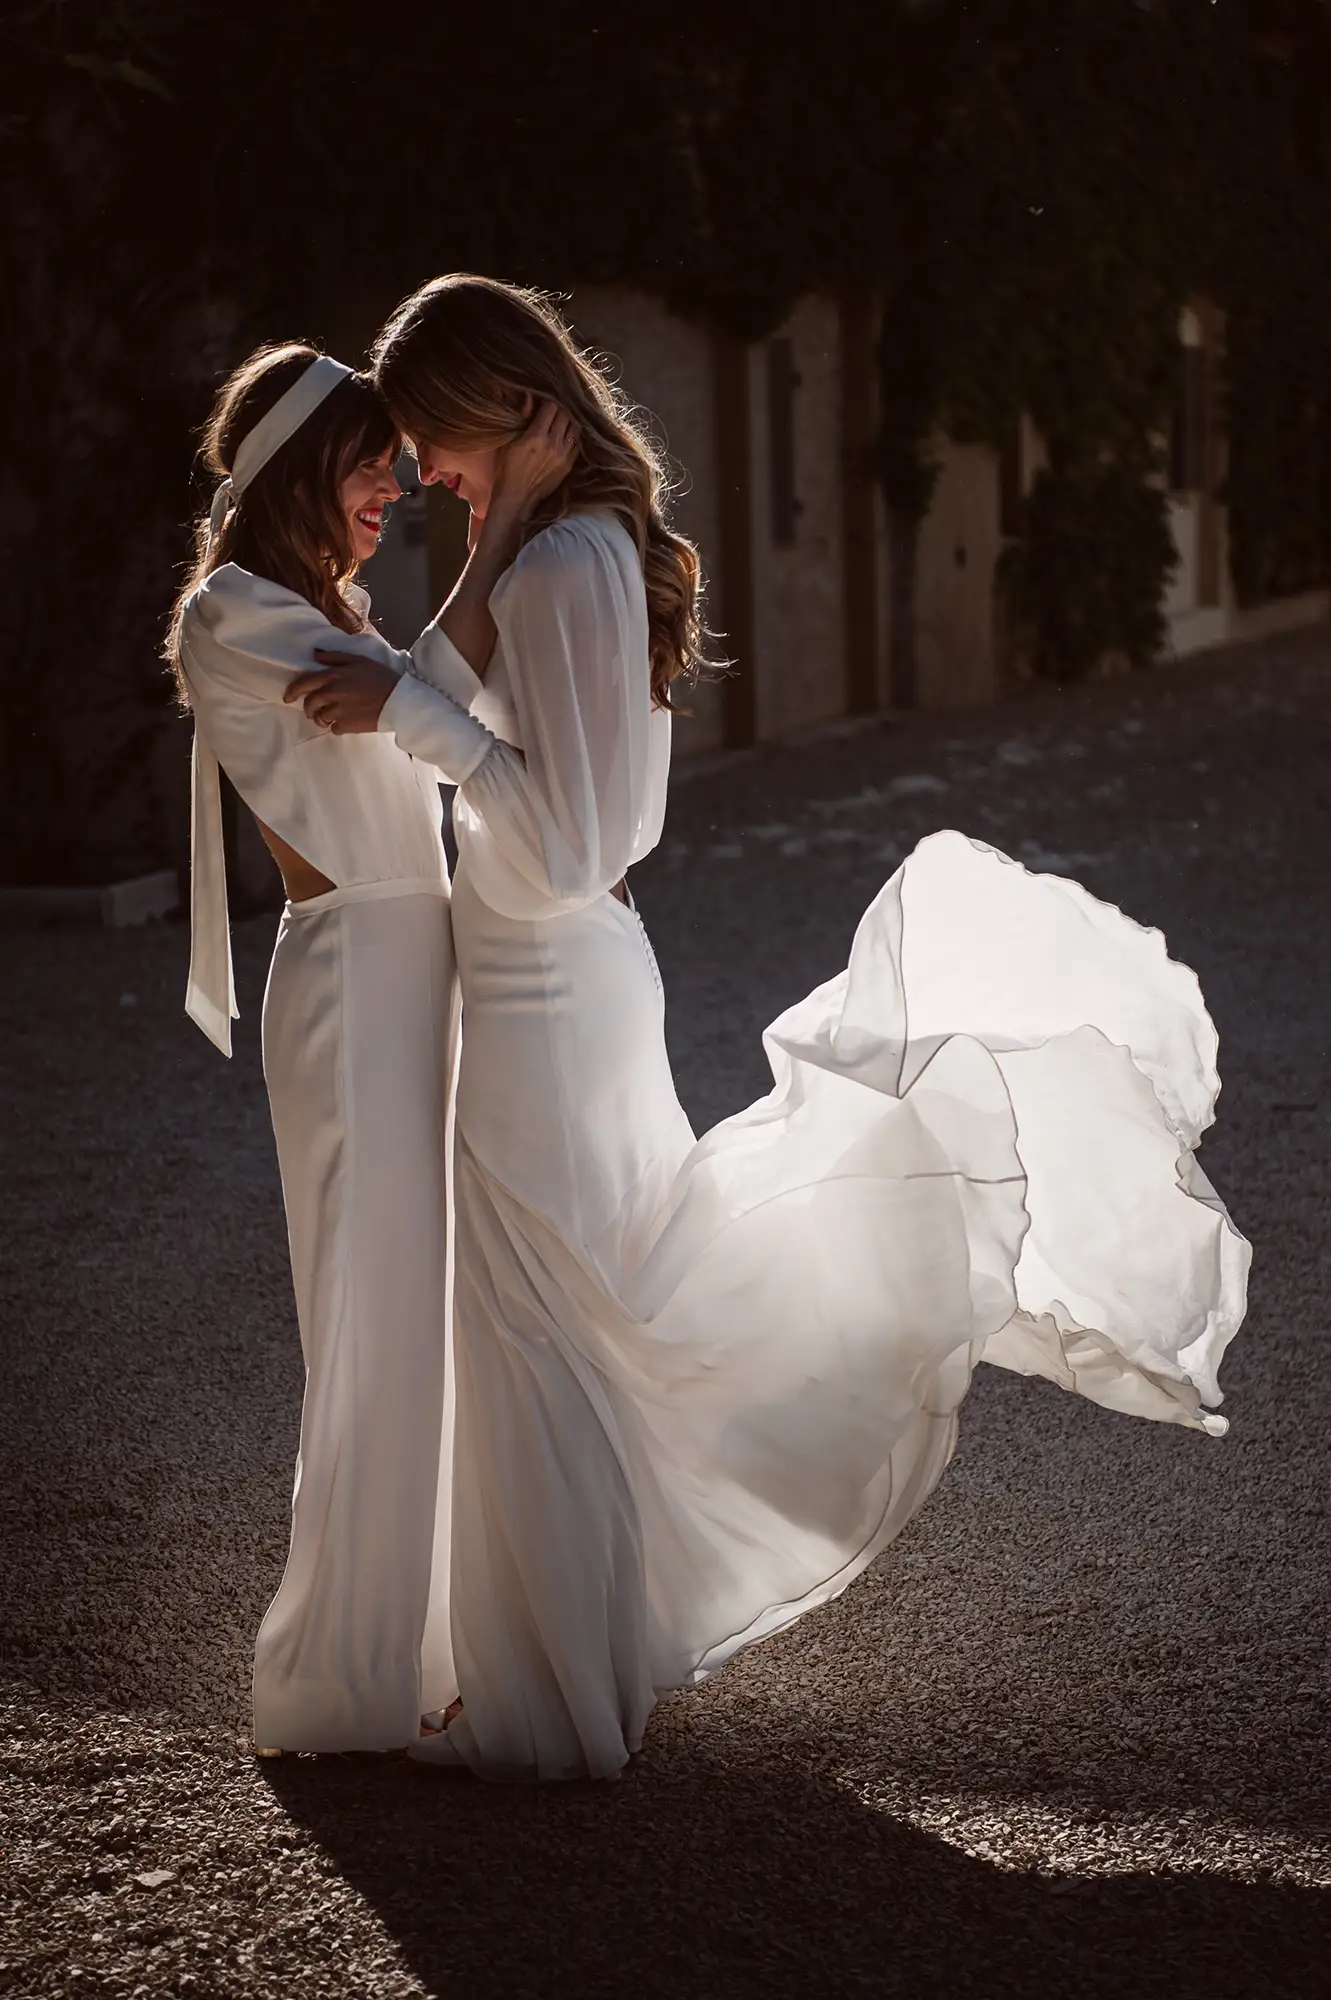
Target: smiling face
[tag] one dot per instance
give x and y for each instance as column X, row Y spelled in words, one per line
column 470, row 474
column 364, row 494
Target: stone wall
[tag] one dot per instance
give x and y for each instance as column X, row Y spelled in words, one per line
column 664, row 363
column 960, row 539
column 798, row 621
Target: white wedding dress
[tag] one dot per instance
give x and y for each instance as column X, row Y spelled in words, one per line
column 699, row 1385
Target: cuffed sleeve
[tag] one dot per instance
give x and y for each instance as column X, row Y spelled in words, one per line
column 432, row 726
column 435, row 659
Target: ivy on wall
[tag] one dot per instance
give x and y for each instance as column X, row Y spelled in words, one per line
column 1082, row 582
column 1089, row 171
column 1033, row 190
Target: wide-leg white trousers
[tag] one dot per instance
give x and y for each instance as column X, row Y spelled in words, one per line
column 359, row 1030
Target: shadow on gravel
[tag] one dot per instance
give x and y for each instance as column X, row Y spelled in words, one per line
column 743, row 1877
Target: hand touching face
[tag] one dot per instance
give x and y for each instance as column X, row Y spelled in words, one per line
column 538, row 460
column 530, row 466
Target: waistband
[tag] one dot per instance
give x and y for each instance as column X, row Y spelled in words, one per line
column 367, row 892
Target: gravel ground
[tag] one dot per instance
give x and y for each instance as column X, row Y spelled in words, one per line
column 1068, row 1736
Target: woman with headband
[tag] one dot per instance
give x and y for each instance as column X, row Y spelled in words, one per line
column 359, row 1016
column 701, row 1385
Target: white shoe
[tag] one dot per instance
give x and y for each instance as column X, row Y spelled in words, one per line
column 439, row 1751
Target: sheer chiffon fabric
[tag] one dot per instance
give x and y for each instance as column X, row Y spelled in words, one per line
column 700, row 1384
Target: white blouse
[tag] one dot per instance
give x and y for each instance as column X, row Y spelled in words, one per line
column 352, row 806
column 575, row 791
column 561, row 764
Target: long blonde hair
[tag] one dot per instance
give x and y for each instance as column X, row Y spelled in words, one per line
column 289, row 524
column 455, row 365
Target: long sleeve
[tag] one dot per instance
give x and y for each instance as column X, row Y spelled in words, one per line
column 431, row 726
column 257, row 635
column 270, row 635
column 244, row 640
column 436, row 660
column 550, row 828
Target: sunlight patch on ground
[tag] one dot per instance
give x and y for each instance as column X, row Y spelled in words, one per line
column 1023, row 1835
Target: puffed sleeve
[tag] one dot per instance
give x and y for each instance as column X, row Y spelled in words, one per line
column 572, row 619
column 549, row 828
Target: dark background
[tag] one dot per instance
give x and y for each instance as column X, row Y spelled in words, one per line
column 1032, row 189
column 1069, row 1736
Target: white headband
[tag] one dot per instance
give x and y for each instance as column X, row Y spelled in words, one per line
column 272, row 431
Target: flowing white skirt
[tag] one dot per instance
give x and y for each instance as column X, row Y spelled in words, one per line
column 701, row 1385
column 359, row 1021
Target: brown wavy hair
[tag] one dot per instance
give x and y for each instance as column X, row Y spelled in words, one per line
column 288, row 524
column 455, row 365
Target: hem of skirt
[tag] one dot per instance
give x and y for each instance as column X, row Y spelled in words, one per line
column 293, row 1723
column 779, row 1618
column 334, row 1743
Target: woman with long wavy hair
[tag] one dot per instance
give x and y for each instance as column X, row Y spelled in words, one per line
column 357, row 1020
column 701, row 1384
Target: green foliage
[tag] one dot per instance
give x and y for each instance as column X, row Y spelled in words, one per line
column 1275, row 281
column 1082, row 173
column 1082, row 582
column 1034, row 190
column 116, row 351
